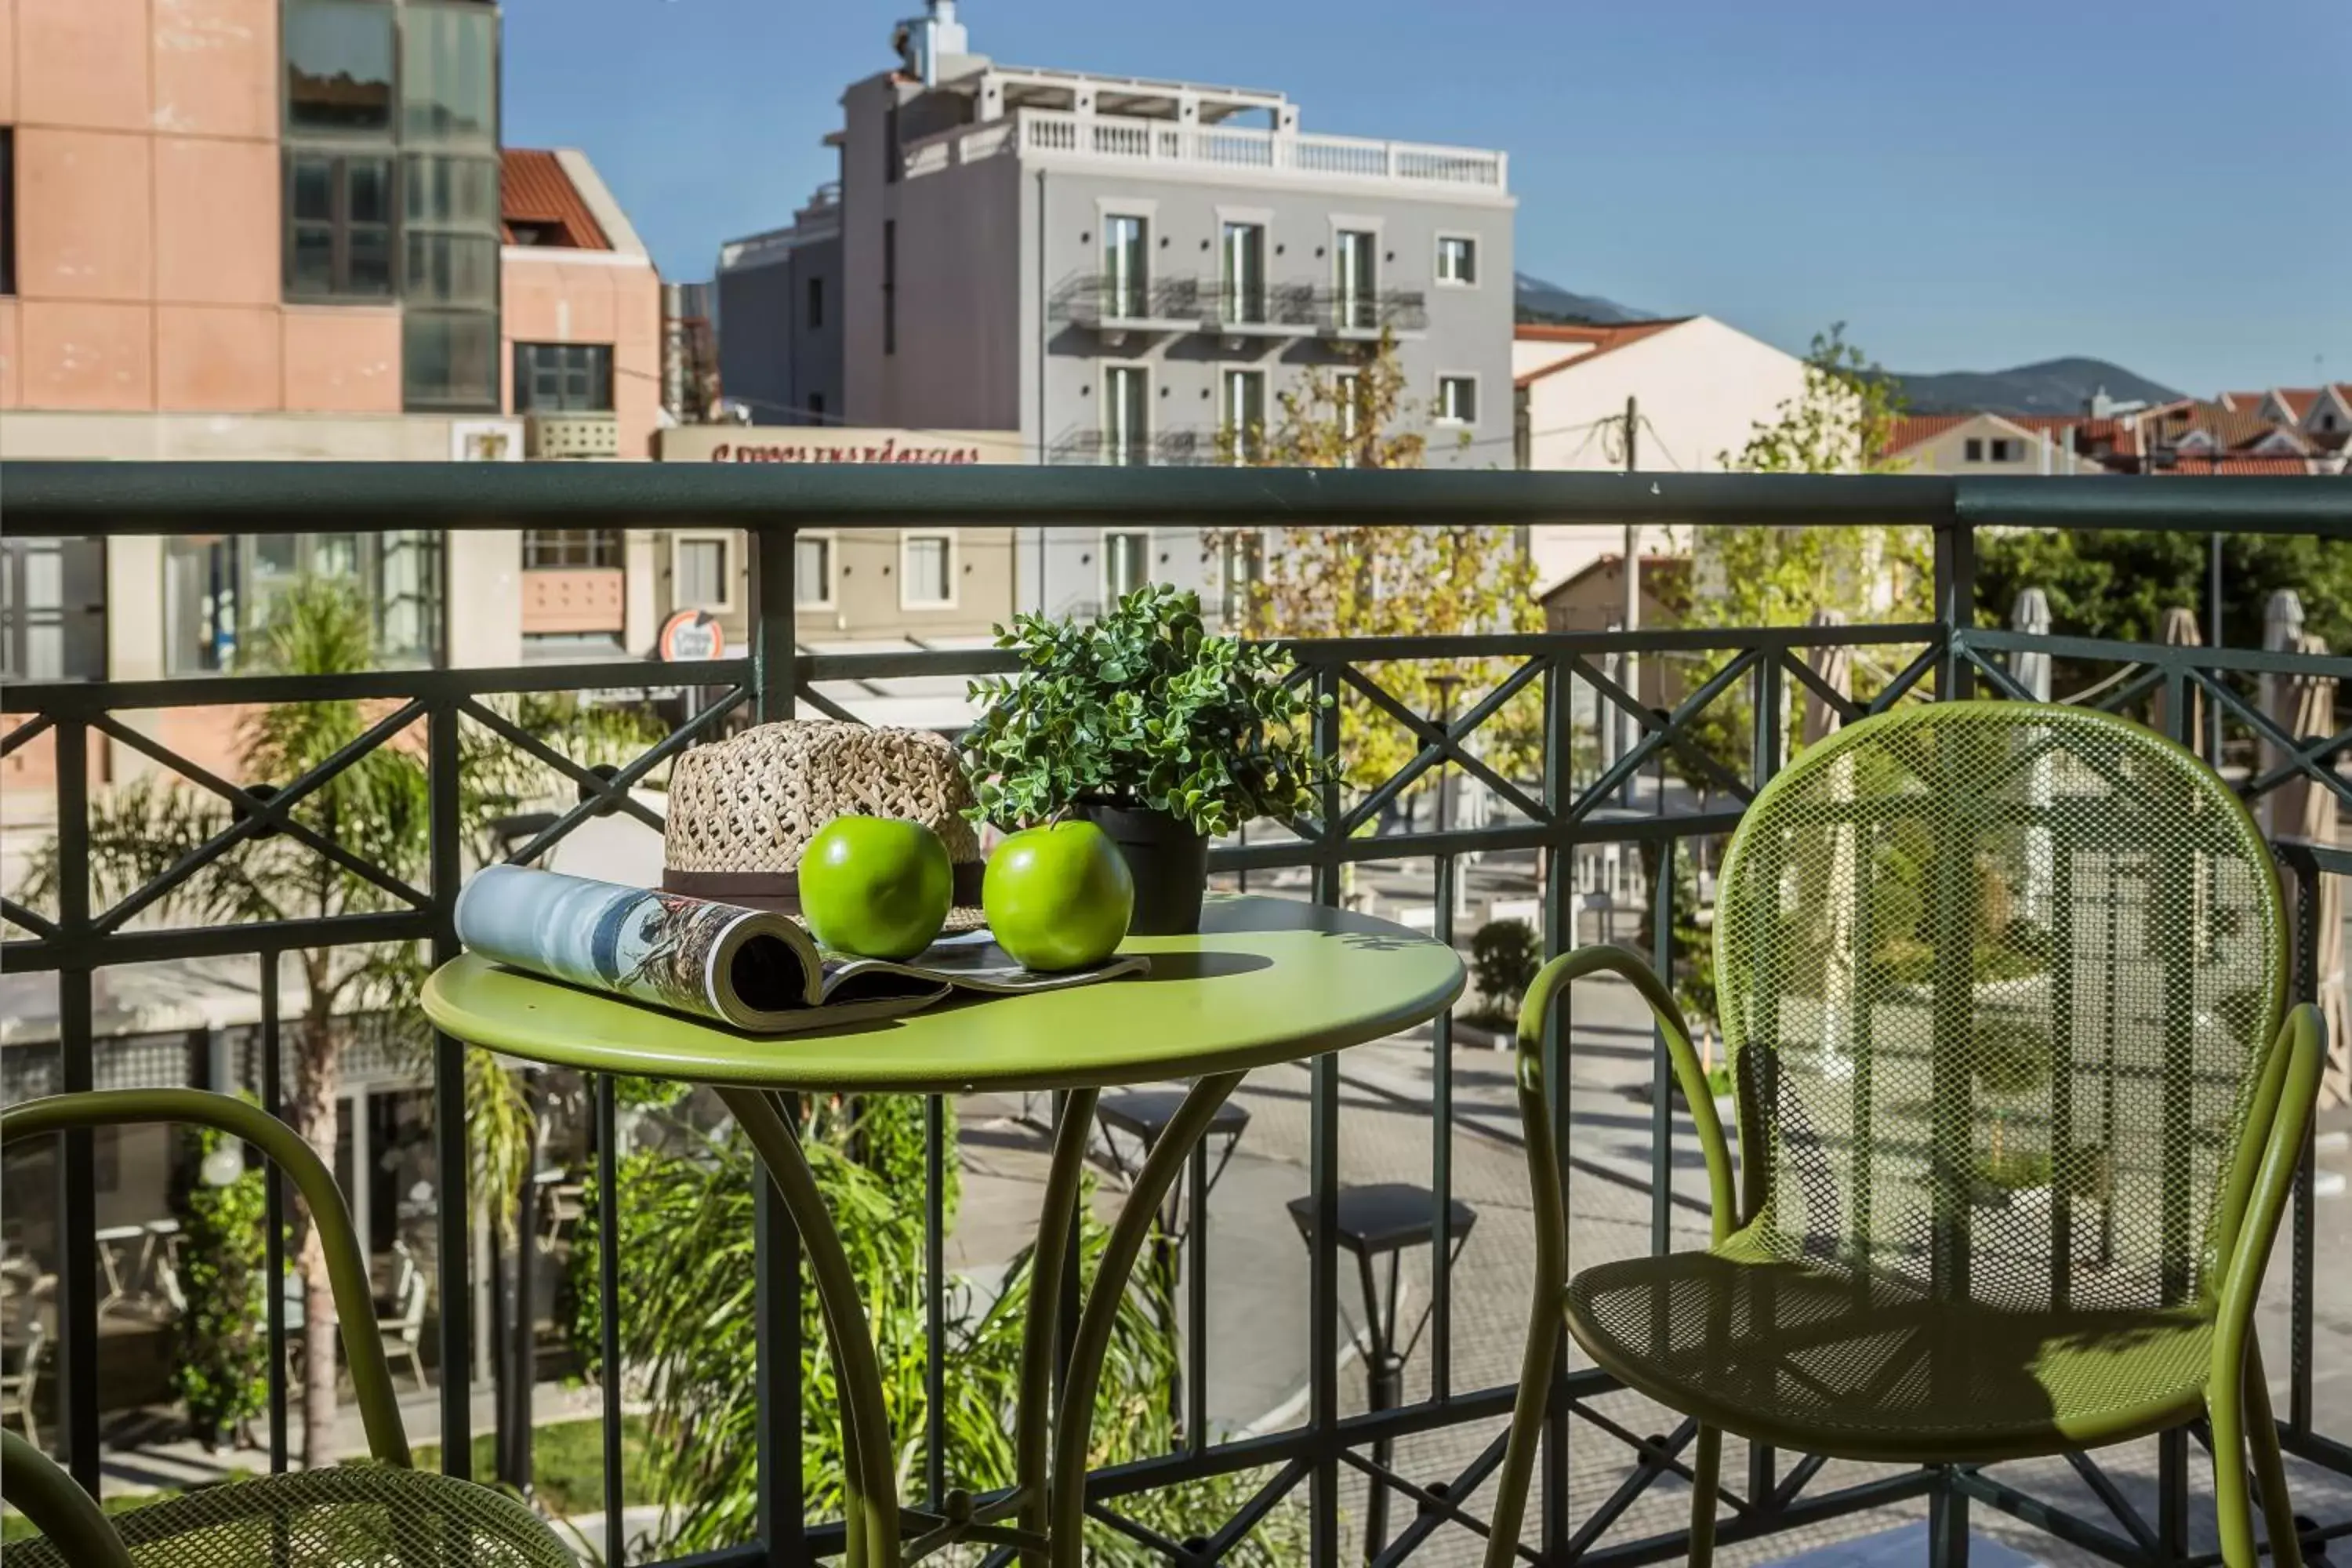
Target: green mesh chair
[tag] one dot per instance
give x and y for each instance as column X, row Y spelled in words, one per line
column 376, row 1514
column 2002, row 985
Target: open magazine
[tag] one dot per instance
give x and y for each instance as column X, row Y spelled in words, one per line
column 758, row 971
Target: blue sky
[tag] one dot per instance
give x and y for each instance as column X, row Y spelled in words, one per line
column 1968, row 186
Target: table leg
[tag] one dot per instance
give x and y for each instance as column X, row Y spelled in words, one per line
column 1056, row 1221
column 869, row 1484
column 1075, row 1417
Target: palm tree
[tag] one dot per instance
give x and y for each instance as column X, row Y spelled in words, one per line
column 378, row 809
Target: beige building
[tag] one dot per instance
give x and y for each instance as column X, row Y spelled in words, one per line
column 1698, row 389
column 1999, row 445
column 854, row 584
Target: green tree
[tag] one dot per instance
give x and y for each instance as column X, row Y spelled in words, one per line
column 378, row 809
column 1386, row 580
column 2118, row 586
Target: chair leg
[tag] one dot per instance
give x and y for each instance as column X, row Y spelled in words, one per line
column 1705, row 1471
column 1526, row 1436
column 2232, row 1511
column 2270, row 1467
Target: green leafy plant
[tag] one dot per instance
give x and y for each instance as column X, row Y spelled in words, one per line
column 220, row 1351
column 1143, row 706
column 1504, row 958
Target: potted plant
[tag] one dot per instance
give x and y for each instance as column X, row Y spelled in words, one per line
column 1160, row 732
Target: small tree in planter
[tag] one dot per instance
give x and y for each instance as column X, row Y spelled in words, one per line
column 1148, row 724
column 1504, row 958
column 220, row 1350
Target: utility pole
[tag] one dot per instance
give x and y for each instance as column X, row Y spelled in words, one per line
column 1630, row 616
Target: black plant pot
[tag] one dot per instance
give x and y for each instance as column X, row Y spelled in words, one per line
column 1168, row 861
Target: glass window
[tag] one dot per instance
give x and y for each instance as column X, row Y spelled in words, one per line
column 1126, row 414
column 7, row 209
column 1127, row 564
column 816, row 302
column 339, row 226
column 449, row 359
column 1240, row 567
column 890, row 284
column 218, row 592
column 701, row 573
column 1347, row 387
column 1244, row 413
column 1125, row 267
column 811, row 569
column 1355, row 278
column 563, row 378
column 930, row 569
column 1972, row 449
column 338, row 66
column 556, row 548
column 1457, row 258
column 1457, row 399
column 2005, row 451
column 1244, row 274
column 449, row 83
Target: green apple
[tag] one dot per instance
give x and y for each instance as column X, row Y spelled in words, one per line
column 1057, row 897
column 875, row 886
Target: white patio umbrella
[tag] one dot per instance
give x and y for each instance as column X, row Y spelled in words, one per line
column 2312, row 811
column 2031, row 616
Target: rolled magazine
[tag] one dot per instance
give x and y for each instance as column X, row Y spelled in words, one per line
column 750, row 969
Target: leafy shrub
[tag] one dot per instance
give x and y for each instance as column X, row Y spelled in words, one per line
column 1143, row 706
column 220, row 1354
column 1504, row 957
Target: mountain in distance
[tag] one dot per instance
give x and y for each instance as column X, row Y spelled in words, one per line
column 2051, row 386
column 1549, row 304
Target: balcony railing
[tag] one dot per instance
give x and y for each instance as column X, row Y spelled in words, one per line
column 1105, row 302
column 1446, row 1424
column 1367, row 314
column 1116, row 139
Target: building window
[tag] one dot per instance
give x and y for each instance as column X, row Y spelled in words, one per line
column 1241, row 564
column 1243, row 415
column 698, row 577
column 565, row 549
column 567, row 378
column 2005, row 451
column 1972, row 450
column 816, row 407
column 926, row 571
column 1127, row 564
column 448, row 74
column 339, row 66
column 339, row 226
column 1348, row 392
column 1126, row 414
column 812, row 571
column 1243, row 276
column 1126, row 265
column 815, row 302
column 218, row 592
column 890, row 285
column 449, row 359
column 1457, row 399
column 1457, row 258
column 1355, row 278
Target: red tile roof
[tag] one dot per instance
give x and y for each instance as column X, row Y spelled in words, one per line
column 1604, row 339
column 2195, row 463
column 1913, row 428
column 2298, row 399
column 536, row 194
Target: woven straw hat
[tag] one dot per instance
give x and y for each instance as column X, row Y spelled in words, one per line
column 742, row 811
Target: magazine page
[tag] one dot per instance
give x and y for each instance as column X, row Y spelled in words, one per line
column 970, row 961
column 752, row 970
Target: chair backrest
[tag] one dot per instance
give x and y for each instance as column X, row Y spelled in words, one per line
column 346, row 1270
column 20, row 1383
column 1999, row 980
column 412, row 1309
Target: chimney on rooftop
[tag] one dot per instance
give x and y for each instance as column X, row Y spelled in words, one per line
column 923, row 41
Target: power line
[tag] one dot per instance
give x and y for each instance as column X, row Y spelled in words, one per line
column 1660, row 440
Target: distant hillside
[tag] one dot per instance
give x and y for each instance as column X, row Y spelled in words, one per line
column 1549, row 304
column 2051, row 386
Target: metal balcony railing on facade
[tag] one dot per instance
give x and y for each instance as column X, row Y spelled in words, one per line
column 1765, row 673
column 1107, row 303
column 1273, row 309
column 1362, row 313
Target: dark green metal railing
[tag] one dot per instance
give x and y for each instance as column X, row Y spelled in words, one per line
column 1766, row 669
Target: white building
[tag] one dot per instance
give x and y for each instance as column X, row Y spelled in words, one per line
column 1698, row 389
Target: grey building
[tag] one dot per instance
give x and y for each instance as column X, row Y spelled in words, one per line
column 1131, row 272
column 779, row 314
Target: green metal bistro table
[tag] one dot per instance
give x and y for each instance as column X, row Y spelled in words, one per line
column 1266, row 981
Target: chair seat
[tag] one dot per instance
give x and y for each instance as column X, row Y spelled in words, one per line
column 1826, row 1360
column 344, row 1516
